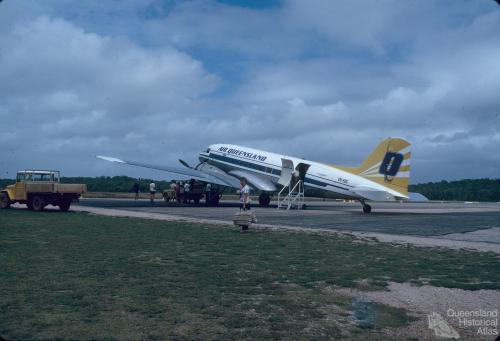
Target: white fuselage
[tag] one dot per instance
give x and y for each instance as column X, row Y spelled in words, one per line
column 321, row 180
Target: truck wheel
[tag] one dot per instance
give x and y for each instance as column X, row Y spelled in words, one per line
column 38, row 203
column 65, row 205
column 30, row 205
column 4, row 200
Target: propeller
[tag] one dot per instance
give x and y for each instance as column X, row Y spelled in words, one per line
column 184, row 163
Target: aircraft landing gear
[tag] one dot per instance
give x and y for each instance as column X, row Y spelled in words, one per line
column 264, row 199
column 366, row 208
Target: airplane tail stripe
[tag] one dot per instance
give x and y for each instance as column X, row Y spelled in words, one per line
column 388, row 165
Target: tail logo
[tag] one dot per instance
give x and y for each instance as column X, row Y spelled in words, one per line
column 390, row 165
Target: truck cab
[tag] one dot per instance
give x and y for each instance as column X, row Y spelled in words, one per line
column 39, row 188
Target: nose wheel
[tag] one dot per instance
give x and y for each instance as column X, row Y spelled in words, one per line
column 366, row 208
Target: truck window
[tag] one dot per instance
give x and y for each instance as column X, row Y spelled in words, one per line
column 20, row 177
column 42, row 177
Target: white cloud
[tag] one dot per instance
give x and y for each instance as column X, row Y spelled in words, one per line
column 321, row 79
column 68, row 88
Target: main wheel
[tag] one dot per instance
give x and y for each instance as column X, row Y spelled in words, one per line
column 367, row 208
column 214, row 200
column 4, row 200
column 264, row 199
column 38, row 203
column 65, row 205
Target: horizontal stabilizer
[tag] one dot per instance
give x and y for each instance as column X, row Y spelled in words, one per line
column 413, row 196
column 373, row 194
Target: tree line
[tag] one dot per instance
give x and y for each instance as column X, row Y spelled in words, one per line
column 461, row 190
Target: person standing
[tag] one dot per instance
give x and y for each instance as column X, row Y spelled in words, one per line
column 244, row 199
column 208, row 191
column 187, row 189
column 173, row 193
column 178, row 192
column 152, row 191
column 181, row 192
column 135, row 189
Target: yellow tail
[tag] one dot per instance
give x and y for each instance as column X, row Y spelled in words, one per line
column 388, row 165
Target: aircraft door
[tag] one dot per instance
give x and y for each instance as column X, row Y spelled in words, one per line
column 286, row 172
column 302, row 169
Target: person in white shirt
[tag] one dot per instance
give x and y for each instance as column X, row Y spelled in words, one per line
column 244, row 199
column 152, row 191
column 173, row 192
column 244, row 194
column 187, row 189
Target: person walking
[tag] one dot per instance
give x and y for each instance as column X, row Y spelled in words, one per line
column 244, row 200
column 152, row 192
column 135, row 189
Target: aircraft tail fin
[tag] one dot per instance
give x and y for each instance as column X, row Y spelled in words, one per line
column 388, row 165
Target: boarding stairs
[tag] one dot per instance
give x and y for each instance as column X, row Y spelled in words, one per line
column 291, row 196
column 292, row 179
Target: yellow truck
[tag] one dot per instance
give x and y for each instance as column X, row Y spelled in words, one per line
column 39, row 188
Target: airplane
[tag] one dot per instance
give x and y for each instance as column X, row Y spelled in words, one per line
column 383, row 176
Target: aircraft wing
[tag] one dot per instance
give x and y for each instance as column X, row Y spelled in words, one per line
column 260, row 182
column 206, row 174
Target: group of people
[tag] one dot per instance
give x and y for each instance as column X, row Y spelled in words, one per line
column 136, row 188
column 181, row 191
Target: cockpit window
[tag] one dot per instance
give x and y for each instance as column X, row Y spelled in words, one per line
column 208, row 150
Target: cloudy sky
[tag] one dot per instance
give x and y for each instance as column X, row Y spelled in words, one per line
column 326, row 80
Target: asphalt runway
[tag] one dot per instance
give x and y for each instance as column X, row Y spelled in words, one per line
column 470, row 220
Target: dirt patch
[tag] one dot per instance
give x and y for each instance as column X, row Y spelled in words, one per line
column 424, row 300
